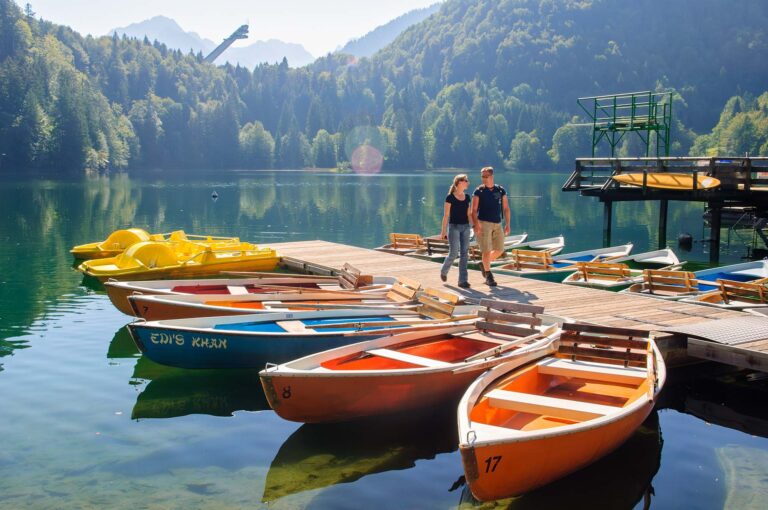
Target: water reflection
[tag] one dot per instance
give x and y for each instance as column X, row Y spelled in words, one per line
column 720, row 395
column 618, row 481
column 122, row 345
column 172, row 392
column 317, row 456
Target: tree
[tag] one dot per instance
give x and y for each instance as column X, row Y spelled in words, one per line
column 568, row 143
column 324, row 150
column 257, row 147
column 524, row 152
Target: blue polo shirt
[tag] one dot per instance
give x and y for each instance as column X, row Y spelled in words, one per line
column 489, row 203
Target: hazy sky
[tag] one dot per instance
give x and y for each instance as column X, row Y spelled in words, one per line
column 321, row 26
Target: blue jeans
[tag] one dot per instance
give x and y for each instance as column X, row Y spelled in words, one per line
column 458, row 244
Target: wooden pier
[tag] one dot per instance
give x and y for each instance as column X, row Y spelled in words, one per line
column 743, row 183
column 597, row 306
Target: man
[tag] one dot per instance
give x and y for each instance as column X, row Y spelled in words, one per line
column 488, row 202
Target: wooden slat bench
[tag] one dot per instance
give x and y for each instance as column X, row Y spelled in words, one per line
column 408, row 358
column 530, row 259
column 547, row 406
column 603, row 271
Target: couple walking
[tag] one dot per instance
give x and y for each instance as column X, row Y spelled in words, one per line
column 484, row 212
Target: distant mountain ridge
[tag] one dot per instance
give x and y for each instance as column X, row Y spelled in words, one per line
column 168, row 32
column 383, row 35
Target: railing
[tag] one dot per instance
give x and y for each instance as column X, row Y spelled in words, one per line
column 734, row 173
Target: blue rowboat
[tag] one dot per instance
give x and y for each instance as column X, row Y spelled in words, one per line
column 248, row 341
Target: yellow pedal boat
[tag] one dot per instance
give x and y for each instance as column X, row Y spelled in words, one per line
column 668, row 180
column 151, row 260
column 120, row 240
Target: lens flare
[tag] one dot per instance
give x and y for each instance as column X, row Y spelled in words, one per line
column 367, row 159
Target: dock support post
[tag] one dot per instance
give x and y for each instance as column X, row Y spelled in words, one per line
column 714, row 224
column 607, row 210
column 663, row 206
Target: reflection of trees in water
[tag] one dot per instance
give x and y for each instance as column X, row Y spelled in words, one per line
column 256, row 197
column 47, row 218
column 619, row 480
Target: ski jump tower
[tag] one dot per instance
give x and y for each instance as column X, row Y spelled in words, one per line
column 240, row 33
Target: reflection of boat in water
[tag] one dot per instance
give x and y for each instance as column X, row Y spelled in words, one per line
column 322, row 455
column 619, row 480
column 122, row 345
column 175, row 392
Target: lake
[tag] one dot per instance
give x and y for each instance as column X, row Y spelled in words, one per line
column 86, row 422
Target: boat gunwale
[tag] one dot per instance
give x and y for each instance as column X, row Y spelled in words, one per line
column 286, row 370
column 508, row 435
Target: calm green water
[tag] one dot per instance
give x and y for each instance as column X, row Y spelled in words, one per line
column 86, row 422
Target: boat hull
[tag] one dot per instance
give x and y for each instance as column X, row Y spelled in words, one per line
column 209, row 349
column 332, row 399
column 119, row 297
column 190, row 271
column 155, row 310
column 668, row 180
column 556, row 276
column 503, row 470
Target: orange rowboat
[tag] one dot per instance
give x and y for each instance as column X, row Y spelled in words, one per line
column 524, row 427
column 163, row 307
column 397, row 373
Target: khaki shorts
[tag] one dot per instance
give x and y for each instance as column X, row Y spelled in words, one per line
column 491, row 237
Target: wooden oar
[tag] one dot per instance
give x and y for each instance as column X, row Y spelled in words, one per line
column 392, row 324
column 396, row 306
column 516, row 361
column 330, row 292
column 399, row 331
column 261, row 274
column 500, row 349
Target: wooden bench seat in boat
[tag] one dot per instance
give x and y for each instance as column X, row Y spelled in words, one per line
column 406, row 241
column 604, row 344
column 593, row 371
column 547, row 406
column 436, row 246
column 404, row 290
column 745, row 292
column 293, row 326
column 603, row 271
column 237, row 290
column 408, row 358
column 530, row 259
column 667, row 283
column 351, row 278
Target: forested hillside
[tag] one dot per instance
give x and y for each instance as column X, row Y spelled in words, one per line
column 479, row 82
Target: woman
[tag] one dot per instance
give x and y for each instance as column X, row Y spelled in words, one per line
column 456, row 227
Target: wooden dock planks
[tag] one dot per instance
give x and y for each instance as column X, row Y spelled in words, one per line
column 582, row 303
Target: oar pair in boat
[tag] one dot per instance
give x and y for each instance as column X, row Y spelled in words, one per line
column 349, row 278
column 251, row 340
column 403, row 294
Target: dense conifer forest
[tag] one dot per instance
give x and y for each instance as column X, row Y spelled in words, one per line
column 479, row 82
